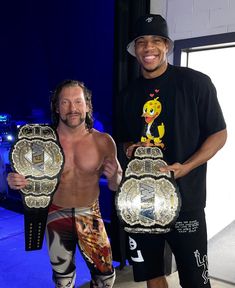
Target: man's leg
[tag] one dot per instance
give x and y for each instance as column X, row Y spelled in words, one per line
column 159, row 282
column 103, row 281
column 146, row 255
column 61, row 246
column 95, row 246
column 188, row 242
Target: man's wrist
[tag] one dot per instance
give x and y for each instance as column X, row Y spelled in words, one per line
column 114, row 181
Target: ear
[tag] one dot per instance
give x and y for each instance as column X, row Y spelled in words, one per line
column 167, row 45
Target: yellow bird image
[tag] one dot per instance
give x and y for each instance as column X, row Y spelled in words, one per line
column 151, row 111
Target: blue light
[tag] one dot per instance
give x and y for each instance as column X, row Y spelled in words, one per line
column 4, row 118
column 10, row 137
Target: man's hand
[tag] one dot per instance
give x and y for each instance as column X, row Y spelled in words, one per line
column 16, row 181
column 129, row 148
column 178, row 169
column 110, row 167
column 113, row 173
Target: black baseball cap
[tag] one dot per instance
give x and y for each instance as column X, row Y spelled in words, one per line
column 150, row 24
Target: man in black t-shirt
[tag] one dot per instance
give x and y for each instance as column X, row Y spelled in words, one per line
column 176, row 109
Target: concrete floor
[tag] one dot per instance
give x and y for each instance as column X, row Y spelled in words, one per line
column 124, row 280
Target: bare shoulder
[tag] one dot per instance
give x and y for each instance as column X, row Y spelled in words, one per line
column 103, row 139
column 101, row 135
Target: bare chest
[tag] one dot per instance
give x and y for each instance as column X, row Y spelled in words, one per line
column 82, row 157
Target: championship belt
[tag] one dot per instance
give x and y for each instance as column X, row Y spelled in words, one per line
column 148, row 200
column 37, row 155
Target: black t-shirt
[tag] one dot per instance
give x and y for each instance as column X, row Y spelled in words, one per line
column 178, row 111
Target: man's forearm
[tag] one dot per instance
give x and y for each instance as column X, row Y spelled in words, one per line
column 114, row 182
column 208, row 149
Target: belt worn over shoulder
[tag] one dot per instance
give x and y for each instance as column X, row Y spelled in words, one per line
column 38, row 156
column 148, row 200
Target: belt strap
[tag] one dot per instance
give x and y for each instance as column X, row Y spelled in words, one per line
column 34, row 226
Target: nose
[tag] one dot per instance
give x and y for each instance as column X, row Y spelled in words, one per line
column 72, row 107
column 149, row 45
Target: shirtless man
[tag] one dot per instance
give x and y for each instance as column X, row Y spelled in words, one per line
column 74, row 215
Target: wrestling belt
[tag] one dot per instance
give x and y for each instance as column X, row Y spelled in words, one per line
column 38, row 156
column 148, row 200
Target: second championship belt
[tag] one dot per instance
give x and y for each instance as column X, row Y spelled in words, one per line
column 38, row 156
column 148, row 200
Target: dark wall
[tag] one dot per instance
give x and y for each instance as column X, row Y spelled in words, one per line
column 44, row 42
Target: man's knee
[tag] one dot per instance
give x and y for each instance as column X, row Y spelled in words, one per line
column 159, row 282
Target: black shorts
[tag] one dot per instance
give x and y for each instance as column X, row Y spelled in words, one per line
column 188, row 242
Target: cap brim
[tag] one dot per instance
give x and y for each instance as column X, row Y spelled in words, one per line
column 131, row 46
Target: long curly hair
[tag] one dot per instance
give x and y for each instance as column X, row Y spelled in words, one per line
column 55, row 102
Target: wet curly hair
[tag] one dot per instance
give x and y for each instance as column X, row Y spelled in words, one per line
column 55, row 102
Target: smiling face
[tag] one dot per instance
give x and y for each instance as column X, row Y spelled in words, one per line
column 72, row 106
column 151, row 54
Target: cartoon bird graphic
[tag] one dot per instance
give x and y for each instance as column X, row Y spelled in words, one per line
column 151, row 111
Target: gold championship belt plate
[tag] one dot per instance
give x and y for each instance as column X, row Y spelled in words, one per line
column 148, row 200
column 38, row 156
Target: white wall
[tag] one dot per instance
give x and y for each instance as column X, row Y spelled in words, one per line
column 195, row 18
